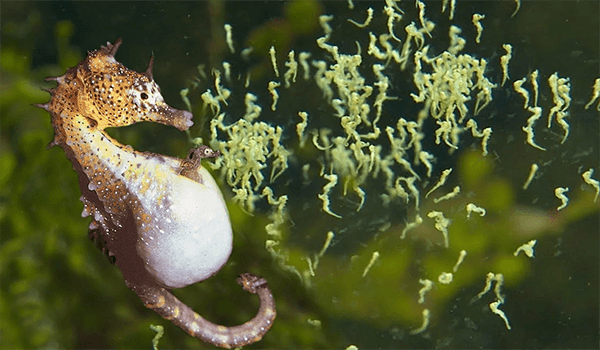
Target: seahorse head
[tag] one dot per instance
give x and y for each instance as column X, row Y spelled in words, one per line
column 109, row 94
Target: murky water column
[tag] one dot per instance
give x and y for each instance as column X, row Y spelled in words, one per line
column 421, row 165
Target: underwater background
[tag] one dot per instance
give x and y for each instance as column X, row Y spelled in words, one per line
column 58, row 291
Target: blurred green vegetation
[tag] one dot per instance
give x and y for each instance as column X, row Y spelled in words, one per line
column 58, row 291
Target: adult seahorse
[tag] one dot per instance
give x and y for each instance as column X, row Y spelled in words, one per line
column 161, row 220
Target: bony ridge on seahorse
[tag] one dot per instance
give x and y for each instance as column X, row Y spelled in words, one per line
column 162, row 220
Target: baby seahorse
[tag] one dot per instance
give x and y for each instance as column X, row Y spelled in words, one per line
column 161, row 220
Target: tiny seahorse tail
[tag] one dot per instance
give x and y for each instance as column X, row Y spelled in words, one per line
column 170, row 308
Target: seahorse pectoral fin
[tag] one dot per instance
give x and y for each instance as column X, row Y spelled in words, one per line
column 170, row 308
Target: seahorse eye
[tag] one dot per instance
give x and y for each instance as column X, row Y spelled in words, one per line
column 144, row 96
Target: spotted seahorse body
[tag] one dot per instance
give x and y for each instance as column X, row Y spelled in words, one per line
column 161, row 220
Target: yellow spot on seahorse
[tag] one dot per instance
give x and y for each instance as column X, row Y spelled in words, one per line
column 195, row 327
column 175, row 314
column 160, row 303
